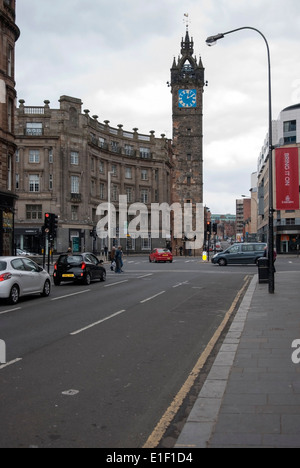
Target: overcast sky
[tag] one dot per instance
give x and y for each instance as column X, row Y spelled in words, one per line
column 116, row 56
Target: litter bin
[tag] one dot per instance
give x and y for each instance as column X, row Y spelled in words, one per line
column 263, row 270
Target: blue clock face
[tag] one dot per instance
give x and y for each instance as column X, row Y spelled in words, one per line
column 187, row 98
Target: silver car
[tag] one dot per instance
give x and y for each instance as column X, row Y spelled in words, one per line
column 20, row 276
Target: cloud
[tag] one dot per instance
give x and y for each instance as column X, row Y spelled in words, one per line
column 116, row 56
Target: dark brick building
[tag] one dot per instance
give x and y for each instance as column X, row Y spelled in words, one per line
column 9, row 34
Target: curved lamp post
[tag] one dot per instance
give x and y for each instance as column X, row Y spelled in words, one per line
column 212, row 40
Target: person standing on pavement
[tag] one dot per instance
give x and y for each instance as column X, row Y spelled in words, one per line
column 118, row 259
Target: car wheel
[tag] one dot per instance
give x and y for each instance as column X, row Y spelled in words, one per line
column 47, row 289
column 222, row 262
column 88, row 279
column 14, row 295
column 103, row 277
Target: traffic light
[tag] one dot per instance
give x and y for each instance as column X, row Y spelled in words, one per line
column 54, row 224
column 208, row 227
column 47, row 223
column 51, row 224
column 215, row 228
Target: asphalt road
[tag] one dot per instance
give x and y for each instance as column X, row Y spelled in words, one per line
column 99, row 366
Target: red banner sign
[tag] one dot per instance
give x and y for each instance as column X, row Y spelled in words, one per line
column 287, row 179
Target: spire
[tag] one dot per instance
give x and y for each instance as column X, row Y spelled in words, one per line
column 187, row 45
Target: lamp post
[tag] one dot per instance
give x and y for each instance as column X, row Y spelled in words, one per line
column 212, row 40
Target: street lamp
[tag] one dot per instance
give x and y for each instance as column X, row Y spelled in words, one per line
column 210, row 41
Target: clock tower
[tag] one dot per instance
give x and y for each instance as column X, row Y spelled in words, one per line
column 187, row 85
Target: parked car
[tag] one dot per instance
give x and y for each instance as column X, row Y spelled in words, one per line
column 84, row 267
column 161, row 255
column 20, row 276
column 240, row 253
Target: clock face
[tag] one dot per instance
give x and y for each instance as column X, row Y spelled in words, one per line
column 187, row 98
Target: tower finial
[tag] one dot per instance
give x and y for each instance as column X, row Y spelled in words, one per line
column 186, row 20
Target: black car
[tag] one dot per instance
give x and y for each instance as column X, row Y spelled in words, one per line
column 84, row 267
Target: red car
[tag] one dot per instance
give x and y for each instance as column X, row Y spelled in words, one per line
column 161, row 255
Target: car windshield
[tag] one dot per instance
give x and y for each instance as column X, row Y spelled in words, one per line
column 3, row 266
column 71, row 259
column 163, row 251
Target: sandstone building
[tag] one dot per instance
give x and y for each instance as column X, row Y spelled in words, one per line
column 67, row 163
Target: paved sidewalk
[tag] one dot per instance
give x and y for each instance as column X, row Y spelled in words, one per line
column 251, row 397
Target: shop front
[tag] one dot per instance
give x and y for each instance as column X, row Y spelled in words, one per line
column 7, row 202
column 288, row 241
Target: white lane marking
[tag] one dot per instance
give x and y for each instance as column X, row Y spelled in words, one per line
column 152, row 297
column 180, row 284
column 70, row 295
column 97, row 323
column 10, row 363
column 145, row 276
column 9, row 310
column 114, row 284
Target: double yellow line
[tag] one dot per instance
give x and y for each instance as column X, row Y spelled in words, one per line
column 156, row 436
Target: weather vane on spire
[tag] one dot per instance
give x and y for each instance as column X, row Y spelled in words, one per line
column 186, row 20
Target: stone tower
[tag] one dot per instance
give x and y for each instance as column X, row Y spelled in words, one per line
column 187, row 85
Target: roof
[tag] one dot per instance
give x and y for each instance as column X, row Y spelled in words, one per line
column 294, row 107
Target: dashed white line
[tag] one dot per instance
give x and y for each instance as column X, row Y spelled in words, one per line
column 70, row 295
column 152, row 297
column 97, row 323
column 10, row 363
column 114, row 284
column 145, row 276
column 9, row 310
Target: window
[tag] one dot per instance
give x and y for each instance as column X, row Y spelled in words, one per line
column 144, row 196
column 34, row 129
column 34, row 183
column 74, row 158
column 93, row 188
column 50, row 182
column 10, row 115
column 101, row 167
column 146, row 243
column 145, row 153
column 129, row 194
column 114, row 146
column 114, row 170
column 9, row 172
column 74, row 184
column 290, row 221
column 34, row 156
column 10, row 61
column 114, row 193
column 102, row 191
column 33, row 212
column 51, row 156
column 74, row 213
column 129, row 150
column 144, row 174
column 289, row 131
column 128, row 173
column 17, row 181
